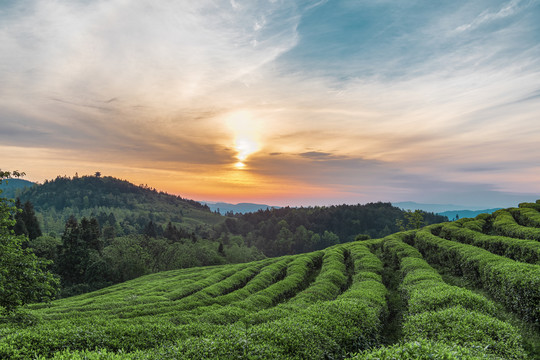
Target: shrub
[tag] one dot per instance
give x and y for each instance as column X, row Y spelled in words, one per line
column 463, row 327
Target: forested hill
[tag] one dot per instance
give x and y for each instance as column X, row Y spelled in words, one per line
column 110, row 230
column 296, row 230
column 130, row 207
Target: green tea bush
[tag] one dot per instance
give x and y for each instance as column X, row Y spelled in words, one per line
column 517, row 285
column 423, row 349
column 505, row 224
column 208, row 281
column 527, row 215
column 324, row 330
column 424, row 290
column 331, row 280
column 457, row 325
column 298, row 273
column 439, row 296
column 435, row 308
column 46, row 340
column 535, row 206
column 516, row 249
column 367, row 283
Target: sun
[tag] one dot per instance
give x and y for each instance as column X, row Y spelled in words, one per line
column 244, row 147
column 246, row 132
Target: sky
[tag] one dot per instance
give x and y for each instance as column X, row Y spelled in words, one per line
column 279, row 102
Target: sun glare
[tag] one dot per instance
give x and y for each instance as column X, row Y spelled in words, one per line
column 246, row 132
column 244, row 147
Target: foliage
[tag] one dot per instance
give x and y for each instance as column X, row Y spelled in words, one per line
column 517, row 249
column 422, row 349
column 23, row 276
column 440, row 312
column 296, row 230
column 505, row 224
column 115, row 203
column 26, row 222
column 515, row 284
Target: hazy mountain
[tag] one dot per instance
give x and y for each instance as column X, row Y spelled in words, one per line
column 241, row 208
column 466, row 213
column 448, row 210
column 435, row 208
column 9, row 187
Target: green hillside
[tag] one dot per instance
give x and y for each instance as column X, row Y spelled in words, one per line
column 132, row 207
column 463, row 290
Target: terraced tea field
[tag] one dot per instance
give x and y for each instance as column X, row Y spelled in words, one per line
column 463, row 290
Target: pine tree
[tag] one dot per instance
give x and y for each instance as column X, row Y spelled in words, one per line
column 31, row 221
column 90, row 234
column 19, row 228
column 72, row 254
column 150, row 230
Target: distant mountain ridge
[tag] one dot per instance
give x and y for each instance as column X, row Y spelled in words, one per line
column 466, row 213
column 448, row 210
column 434, row 208
column 9, row 187
column 241, row 208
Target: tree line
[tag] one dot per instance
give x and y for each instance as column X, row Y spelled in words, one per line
column 295, row 230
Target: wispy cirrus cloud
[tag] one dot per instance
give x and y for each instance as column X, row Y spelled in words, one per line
column 508, row 9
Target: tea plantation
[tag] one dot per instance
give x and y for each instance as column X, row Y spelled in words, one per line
column 468, row 289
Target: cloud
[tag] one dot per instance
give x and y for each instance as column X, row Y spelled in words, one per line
column 117, row 74
column 486, row 16
column 316, row 155
column 356, row 98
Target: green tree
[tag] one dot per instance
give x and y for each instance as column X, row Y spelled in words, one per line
column 413, row 220
column 126, row 258
column 31, row 221
column 72, row 254
column 329, row 239
column 23, row 276
column 90, row 234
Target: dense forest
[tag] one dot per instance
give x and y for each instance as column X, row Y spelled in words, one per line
column 127, row 207
column 99, row 230
column 295, row 230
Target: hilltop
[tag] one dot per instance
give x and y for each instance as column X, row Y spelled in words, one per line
column 469, row 289
column 133, row 206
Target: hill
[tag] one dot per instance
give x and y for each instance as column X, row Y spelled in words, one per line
column 132, row 207
column 469, row 289
column 11, row 187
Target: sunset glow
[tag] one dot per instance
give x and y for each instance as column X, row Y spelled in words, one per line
column 284, row 103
